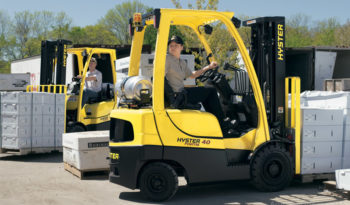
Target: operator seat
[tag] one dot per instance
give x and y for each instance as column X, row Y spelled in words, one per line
column 177, row 100
column 105, row 94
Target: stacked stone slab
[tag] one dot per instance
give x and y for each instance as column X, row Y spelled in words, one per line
column 60, row 110
column 43, row 127
column 16, row 110
column 32, row 120
column 321, row 141
column 329, row 102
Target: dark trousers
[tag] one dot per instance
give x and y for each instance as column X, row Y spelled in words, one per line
column 209, row 99
column 88, row 93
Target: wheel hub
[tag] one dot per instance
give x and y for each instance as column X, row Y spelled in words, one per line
column 274, row 169
column 156, row 183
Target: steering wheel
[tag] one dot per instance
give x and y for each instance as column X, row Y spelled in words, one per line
column 206, row 75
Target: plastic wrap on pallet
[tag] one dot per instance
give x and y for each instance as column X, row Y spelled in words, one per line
column 325, row 99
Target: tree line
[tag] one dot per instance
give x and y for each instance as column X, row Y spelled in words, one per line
column 22, row 33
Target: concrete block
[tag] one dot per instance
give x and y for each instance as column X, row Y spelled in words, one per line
column 59, row 120
column 12, row 130
column 311, row 116
column 37, row 132
column 85, row 140
column 9, row 142
column 48, row 109
column 60, row 99
column 16, row 109
column 345, row 163
column 43, row 142
column 48, row 120
column 320, row 165
column 37, row 120
column 346, row 149
column 16, row 98
column 43, row 98
column 60, row 109
column 49, row 132
column 321, row 149
column 314, row 133
column 18, row 120
column 37, row 109
column 347, row 132
column 87, row 159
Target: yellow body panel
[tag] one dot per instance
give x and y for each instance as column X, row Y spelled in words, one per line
column 145, row 132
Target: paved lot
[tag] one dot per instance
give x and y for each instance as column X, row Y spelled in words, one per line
column 41, row 179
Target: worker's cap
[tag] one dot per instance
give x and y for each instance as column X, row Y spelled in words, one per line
column 176, row 39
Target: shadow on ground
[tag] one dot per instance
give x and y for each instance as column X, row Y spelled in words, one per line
column 241, row 192
column 54, row 157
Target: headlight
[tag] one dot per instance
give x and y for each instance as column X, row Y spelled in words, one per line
column 131, row 88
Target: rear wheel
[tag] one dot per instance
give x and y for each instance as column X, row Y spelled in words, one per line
column 271, row 168
column 158, row 181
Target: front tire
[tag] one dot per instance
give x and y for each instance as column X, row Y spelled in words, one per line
column 158, row 181
column 271, row 169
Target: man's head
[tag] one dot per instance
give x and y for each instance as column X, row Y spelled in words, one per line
column 175, row 45
column 92, row 64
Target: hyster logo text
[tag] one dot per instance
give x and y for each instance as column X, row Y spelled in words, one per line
column 280, row 42
column 189, row 141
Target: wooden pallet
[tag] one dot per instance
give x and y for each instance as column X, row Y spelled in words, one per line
column 306, row 178
column 332, row 187
column 84, row 174
column 33, row 150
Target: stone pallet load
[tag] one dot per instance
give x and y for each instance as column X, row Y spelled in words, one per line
column 32, row 122
column 325, row 131
column 86, row 152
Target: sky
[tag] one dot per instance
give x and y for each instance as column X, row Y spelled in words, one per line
column 87, row 12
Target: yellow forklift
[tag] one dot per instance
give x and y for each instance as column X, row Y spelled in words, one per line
column 95, row 114
column 152, row 143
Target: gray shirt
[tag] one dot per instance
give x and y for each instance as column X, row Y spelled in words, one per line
column 94, row 85
column 176, row 71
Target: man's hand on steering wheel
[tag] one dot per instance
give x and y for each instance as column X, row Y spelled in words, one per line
column 213, row 64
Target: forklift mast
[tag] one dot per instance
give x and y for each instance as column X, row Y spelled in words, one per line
column 53, row 62
column 267, row 52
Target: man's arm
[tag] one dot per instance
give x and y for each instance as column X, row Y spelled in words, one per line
column 197, row 73
column 91, row 78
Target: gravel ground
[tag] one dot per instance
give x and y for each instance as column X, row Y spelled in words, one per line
column 41, row 179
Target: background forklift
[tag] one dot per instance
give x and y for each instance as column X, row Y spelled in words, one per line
column 95, row 114
column 151, row 144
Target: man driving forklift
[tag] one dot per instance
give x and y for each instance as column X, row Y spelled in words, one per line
column 93, row 82
column 176, row 71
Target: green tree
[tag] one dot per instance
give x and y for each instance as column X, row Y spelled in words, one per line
column 23, row 23
column 342, row 34
column 98, row 34
column 77, row 35
column 298, row 33
column 61, row 26
column 324, row 33
column 117, row 19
